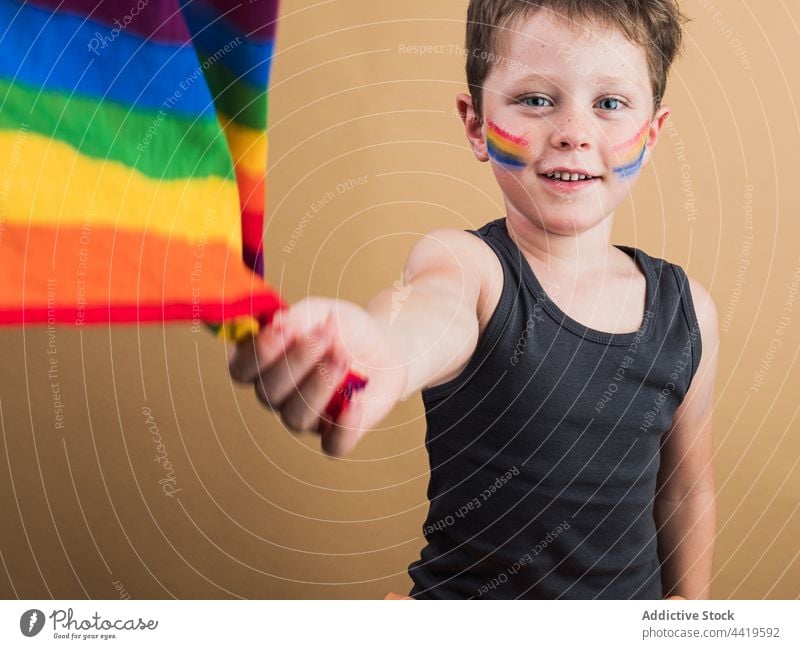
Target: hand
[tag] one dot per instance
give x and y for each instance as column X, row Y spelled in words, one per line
column 299, row 360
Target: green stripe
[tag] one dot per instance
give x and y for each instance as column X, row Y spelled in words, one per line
column 244, row 103
column 155, row 143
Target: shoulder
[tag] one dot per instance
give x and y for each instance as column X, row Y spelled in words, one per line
column 454, row 248
column 708, row 325
column 450, row 238
column 699, row 298
column 705, row 308
column 707, row 322
column 472, row 266
column 700, row 397
column 472, row 242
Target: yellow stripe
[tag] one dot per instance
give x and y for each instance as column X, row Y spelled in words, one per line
column 511, row 148
column 239, row 329
column 51, row 183
column 248, row 146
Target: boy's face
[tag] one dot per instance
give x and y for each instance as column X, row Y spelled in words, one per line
column 560, row 99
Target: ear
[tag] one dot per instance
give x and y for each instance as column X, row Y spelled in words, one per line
column 473, row 126
column 656, row 124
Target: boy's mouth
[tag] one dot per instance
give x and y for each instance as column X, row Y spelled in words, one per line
column 569, row 175
column 568, row 180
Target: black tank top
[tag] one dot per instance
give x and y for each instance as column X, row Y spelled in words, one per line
column 544, row 450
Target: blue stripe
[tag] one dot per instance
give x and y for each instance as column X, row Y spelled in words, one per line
column 632, row 167
column 248, row 60
column 51, row 50
column 504, row 158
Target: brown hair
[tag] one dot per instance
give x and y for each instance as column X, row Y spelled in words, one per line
column 655, row 25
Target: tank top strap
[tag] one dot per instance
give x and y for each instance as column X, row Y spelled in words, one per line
column 494, row 235
column 690, row 321
column 677, row 316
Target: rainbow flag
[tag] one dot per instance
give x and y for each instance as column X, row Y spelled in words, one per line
column 133, row 151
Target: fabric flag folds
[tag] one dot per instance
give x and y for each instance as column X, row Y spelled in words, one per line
column 133, row 149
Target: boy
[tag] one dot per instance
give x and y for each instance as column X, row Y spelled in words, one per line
column 567, row 399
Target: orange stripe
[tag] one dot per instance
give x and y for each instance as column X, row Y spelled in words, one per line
column 117, row 267
column 252, row 191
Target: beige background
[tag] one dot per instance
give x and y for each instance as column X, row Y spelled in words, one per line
column 260, row 513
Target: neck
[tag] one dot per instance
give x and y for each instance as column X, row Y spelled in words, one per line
column 584, row 252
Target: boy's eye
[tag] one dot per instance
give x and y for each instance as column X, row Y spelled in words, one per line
column 611, row 103
column 531, row 101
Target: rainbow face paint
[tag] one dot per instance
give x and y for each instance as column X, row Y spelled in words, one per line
column 633, row 151
column 510, row 151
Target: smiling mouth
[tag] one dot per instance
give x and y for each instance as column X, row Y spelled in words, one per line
column 569, row 177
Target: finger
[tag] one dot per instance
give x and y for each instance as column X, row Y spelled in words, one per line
column 305, row 407
column 325, row 425
column 327, row 420
column 253, row 354
column 366, row 408
column 280, row 378
column 238, row 357
column 340, row 438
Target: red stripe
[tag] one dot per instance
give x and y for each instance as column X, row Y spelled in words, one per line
column 635, row 139
column 263, row 307
column 252, row 229
column 505, row 134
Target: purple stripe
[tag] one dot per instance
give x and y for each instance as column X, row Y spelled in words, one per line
column 255, row 18
column 160, row 20
column 254, row 259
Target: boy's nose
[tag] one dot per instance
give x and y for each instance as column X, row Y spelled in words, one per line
column 571, row 137
column 570, row 131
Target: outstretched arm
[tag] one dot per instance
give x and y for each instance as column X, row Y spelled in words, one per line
column 423, row 328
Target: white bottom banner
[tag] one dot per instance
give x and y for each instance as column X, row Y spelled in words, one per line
column 399, row 623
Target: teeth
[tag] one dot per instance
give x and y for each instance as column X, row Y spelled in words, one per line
column 558, row 175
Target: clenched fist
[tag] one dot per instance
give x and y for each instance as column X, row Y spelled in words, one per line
column 299, row 361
